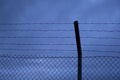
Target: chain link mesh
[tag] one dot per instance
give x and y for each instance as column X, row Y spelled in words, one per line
column 101, row 68
column 59, row 68
column 40, row 68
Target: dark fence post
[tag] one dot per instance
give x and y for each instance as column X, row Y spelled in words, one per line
column 79, row 49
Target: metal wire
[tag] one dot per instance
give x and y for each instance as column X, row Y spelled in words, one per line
column 100, row 30
column 33, row 44
column 108, row 51
column 58, row 37
column 34, row 30
column 32, row 37
column 35, row 49
column 58, row 23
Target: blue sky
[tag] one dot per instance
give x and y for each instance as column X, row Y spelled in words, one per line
column 60, row 11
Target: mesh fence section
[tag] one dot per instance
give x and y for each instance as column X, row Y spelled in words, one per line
column 101, row 68
column 40, row 68
column 59, row 68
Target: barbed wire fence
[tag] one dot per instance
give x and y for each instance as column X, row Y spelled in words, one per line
column 37, row 67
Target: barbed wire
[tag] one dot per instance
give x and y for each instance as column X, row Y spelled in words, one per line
column 39, row 23
column 99, row 23
column 31, row 23
column 31, row 37
column 35, row 30
column 102, row 37
column 12, row 49
column 32, row 44
column 57, row 44
column 36, row 49
column 100, row 30
column 61, row 37
column 100, row 45
column 47, row 30
column 46, row 56
column 101, row 51
column 35, row 56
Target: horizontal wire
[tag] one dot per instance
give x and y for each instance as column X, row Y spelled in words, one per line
column 58, row 23
column 31, row 44
column 43, row 57
column 36, row 49
column 30, row 23
column 59, row 30
column 102, row 37
column 98, row 45
column 35, row 56
column 31, row 37
column 56, row 50
column 59, row 37
column 100, row 30
column 55, row 44
column 99, row 23
column 100, row 51
column 101, row 57
column 35, row 30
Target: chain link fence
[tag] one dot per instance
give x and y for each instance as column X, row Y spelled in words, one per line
column 101, row 68
column 38, row 68
column 58, row 68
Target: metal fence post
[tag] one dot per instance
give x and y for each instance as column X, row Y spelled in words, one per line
column 79, row 49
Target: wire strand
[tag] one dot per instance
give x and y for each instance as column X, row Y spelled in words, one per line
column 36, row 49
column 58, row 23
column 59, row 37
column 46, row 30
column 101, row 51
column 56, row 44
column 31, row 23
column 102, row 37
column 100, row 30
column 32, row 37
column 35, row 30
column 58, row 57
column 99, row 45
column 56, row 50
column 31, row 44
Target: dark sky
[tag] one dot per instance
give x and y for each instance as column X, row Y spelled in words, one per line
column 60, row 11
